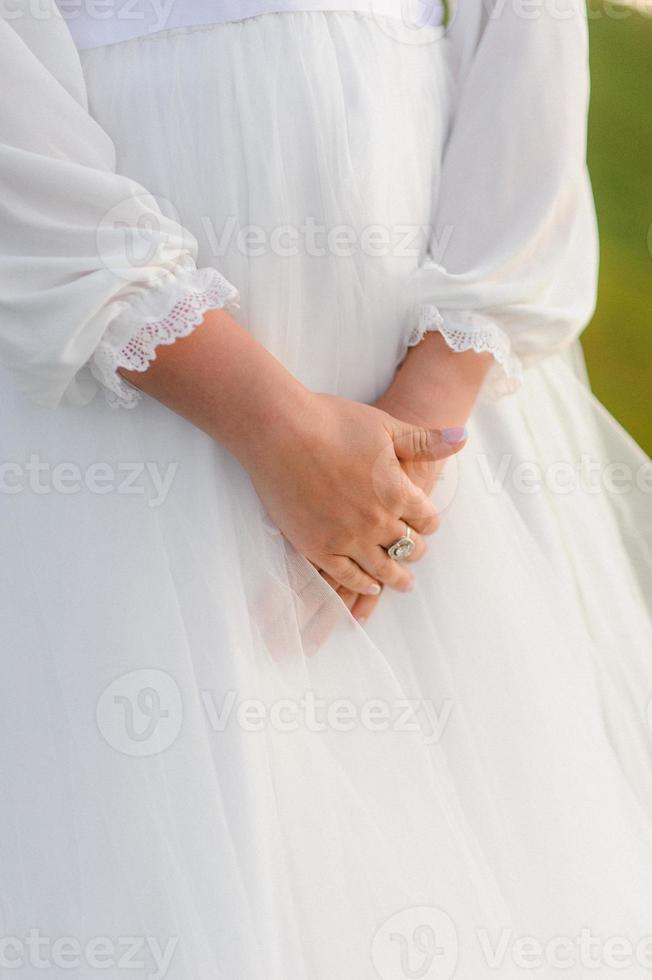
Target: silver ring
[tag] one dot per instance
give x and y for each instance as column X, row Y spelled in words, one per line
column 404, row 547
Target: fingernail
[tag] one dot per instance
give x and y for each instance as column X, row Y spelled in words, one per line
column 455, row 436
column 362, row 620
column 374, row 589
column 409, row 586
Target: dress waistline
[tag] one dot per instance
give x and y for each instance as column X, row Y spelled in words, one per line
column 95, row 23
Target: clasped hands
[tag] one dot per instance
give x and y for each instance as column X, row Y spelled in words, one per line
column 341, row 484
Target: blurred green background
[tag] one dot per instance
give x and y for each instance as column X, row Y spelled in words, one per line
column 618, row 342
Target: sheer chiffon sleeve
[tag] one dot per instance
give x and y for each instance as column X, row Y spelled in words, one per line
column 512, row 265
column 93, row 274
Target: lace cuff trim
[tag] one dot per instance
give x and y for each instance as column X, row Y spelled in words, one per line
column 479, row 334
column 204, row 290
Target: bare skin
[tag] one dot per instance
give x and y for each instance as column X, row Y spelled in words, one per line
column 434, row 388
column 337, row 477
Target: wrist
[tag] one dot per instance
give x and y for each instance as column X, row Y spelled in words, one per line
column 272, row 422
column 226, row 383
column 437, row 385
column 434, row 403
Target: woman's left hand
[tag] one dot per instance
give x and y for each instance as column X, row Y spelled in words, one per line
column 434, row 386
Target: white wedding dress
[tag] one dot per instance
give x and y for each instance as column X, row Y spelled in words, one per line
column 201, row 750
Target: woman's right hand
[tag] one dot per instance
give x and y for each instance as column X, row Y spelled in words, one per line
column 331, row 480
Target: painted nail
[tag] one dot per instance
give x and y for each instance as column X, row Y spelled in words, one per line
column 374, row 589
column 454, row 436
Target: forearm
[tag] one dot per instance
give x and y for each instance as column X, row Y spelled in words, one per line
column 225, row 382
column 437, row 385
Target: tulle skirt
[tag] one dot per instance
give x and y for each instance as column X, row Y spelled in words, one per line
column 210, row 770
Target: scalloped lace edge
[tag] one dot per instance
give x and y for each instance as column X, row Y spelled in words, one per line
column 484, row 336
column 140, row 351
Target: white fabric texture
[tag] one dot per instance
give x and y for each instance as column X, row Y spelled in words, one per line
column 114, row 21
column 200, row 748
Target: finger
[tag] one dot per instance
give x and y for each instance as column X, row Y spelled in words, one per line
column 350, row 576
column 415, row 443
column 360, row 606
column 364, row 607
column 348, row 597
column 397, row 531
column 377, row 563
column 416, row 507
